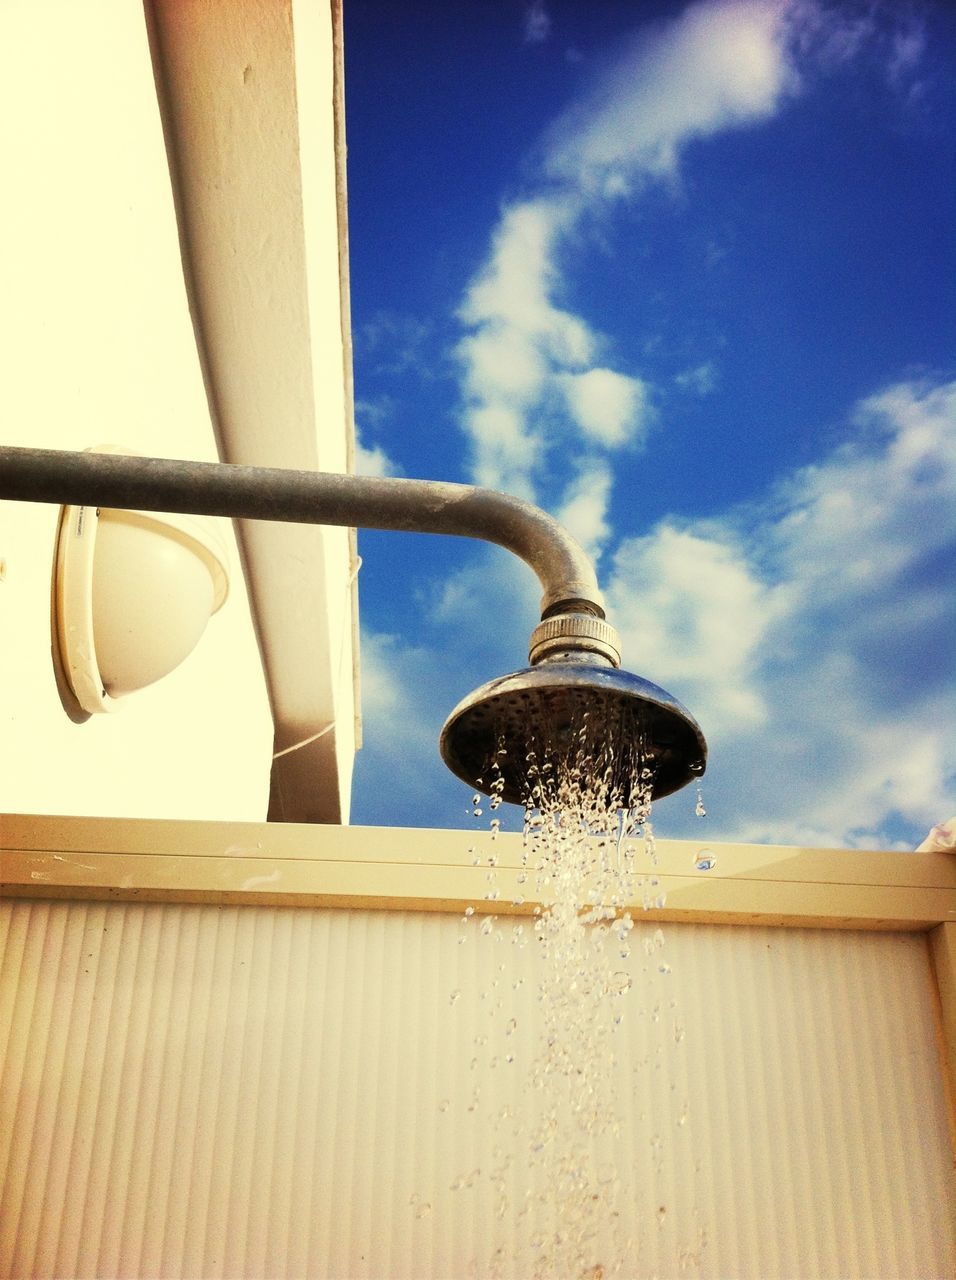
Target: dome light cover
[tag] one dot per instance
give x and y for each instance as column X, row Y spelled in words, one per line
column 132, row 593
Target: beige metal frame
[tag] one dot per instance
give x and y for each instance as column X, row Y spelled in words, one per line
column 387, row 868
column 252, row 104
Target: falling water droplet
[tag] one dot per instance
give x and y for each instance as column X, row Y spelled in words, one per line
column 661, row 1214
column 699, row 809
column 619, row 983
column 454, row 997
column 705, row 861
column 487, row 924
column 469, row 911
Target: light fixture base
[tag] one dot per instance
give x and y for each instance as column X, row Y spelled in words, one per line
column 73, row 609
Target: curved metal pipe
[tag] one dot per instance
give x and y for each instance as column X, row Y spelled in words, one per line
column 309, row 497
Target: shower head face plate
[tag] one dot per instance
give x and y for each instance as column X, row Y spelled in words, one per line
column 563, row 711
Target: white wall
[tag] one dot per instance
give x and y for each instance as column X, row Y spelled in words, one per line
column 256, row 1091
column 98, row 347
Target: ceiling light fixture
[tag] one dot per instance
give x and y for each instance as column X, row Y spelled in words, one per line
column 132, row 594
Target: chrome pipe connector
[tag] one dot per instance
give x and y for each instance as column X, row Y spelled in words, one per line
column 573, row 637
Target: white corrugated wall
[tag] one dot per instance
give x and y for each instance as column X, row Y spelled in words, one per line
column 194, row 1091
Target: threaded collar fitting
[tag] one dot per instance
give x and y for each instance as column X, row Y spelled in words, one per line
column 570, row 633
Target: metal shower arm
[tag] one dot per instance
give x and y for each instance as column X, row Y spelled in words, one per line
column 311, row 497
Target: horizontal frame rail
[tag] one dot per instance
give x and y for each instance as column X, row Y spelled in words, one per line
column 410, row 869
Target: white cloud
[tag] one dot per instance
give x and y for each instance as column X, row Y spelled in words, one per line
column 513, row 293
column 692, row 613
column 805, row 621
column 583, row 509
column 517, row 338
column 874, row 498
column 492, row 603
column 535, row 375
column 891, row 36
column 505, row 452
column 701, row 380
column 907, row 49
column 533, row 372
column 502, row 362
column 719, row 65
column 402, row 709
column 831, row 36
column 610, row 408
column 395, row 343
column 537, row 22
column 382, row 693
column 373, row 462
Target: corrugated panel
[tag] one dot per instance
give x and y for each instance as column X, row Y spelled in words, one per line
column 192, row 1091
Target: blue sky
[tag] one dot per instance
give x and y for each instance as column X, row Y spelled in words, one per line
column 683, row 276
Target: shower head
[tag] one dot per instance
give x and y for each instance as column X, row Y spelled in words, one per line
column 573, row 706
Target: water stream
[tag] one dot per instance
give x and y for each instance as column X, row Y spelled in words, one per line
column 588, row 857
